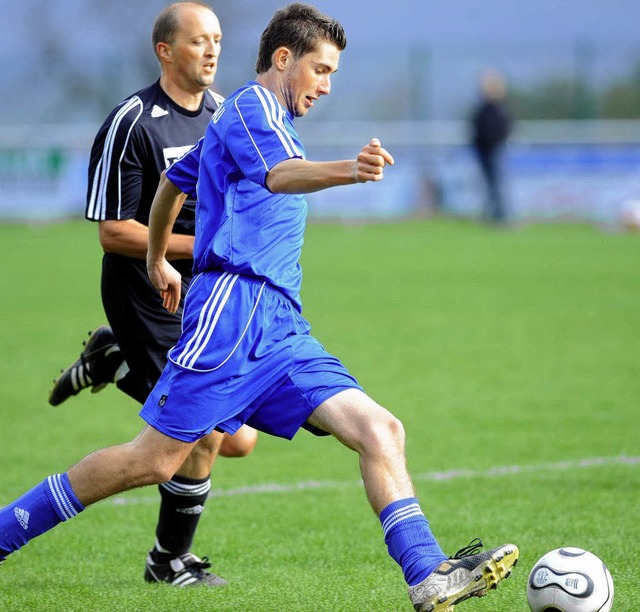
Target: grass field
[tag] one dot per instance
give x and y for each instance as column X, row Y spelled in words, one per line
column 511, row 357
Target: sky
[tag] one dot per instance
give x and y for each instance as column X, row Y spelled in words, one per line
column 470, row 21
column 530, row 21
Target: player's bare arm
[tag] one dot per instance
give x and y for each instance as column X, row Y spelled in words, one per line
column 165, row 208
column 130, row 238
column 303, row 176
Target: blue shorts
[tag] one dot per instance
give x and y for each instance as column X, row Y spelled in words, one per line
column 245, row 356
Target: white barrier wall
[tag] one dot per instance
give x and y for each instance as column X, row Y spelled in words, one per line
column 578, row 171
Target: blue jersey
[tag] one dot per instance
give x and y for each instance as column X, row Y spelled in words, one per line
column 245, row 354
column 241, row 226
column 185, row 173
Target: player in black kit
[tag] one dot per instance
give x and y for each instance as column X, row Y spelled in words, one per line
column 139, row 139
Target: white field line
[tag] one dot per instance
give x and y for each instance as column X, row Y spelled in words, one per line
column 494, row 472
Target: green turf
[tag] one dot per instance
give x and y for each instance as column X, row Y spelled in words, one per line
column 498, row 349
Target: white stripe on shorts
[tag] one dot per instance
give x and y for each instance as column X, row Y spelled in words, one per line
column 208, row 319
column 204, row 320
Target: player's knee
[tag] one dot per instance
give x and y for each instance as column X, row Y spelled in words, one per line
column 159, row 474
column 207, row 448
column 239, row 444
column 385, row 433
column 153, row 472
column 147, row 468
column 394, row 431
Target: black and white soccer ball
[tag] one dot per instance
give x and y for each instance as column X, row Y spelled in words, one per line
column 570, row 580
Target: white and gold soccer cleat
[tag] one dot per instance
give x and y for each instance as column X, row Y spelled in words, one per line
column 467, row 574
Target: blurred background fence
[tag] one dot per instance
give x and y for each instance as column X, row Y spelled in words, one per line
column 575, row 94
column 555, row 170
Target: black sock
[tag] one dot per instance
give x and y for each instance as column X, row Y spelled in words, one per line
column 182, row 504
column 106, row 365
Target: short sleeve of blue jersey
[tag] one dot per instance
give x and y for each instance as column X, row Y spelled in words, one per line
column 183, row 173
column 261, row 134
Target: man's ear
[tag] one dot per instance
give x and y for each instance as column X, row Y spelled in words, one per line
column 163, row 51
column 281, row 57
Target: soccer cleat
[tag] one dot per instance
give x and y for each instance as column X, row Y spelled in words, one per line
column 185, row 570
column 95, row 367
column 467, row 574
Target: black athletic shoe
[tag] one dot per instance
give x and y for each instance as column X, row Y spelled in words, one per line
column 95, row 367
column 468, row 573
column 185, row 570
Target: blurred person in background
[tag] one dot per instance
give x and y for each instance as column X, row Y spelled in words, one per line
column 139, row 139
column 491, row 125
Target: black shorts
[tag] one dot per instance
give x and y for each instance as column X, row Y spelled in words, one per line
column 143, row 328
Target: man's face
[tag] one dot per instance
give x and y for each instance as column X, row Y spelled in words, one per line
column 196, row 48
column 309, row 78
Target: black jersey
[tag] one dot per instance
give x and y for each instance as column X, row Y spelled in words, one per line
column 140, row 138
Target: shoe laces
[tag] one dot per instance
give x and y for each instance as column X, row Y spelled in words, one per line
column 473, row 548
column 199, row 565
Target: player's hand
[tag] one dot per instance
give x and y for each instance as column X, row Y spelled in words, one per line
column 370, row 163
column 168, row 281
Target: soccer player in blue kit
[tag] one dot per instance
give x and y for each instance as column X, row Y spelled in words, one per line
column 246, row 354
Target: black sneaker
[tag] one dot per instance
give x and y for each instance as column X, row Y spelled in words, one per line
column 95, row 367
column 467, row 574
column 185, row 570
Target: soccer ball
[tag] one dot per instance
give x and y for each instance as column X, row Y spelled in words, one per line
column 570, row 580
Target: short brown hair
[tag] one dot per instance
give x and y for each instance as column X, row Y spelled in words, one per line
column 299, row 27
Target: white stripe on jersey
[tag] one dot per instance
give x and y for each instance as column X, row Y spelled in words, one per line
column 217, row 98
column 97, row 209
column 195, row 146
column 255, row 146
column 275, row 117
column 270, row 105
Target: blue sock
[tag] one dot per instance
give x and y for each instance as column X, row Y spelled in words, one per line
column 38, row 510
column 409, row 540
